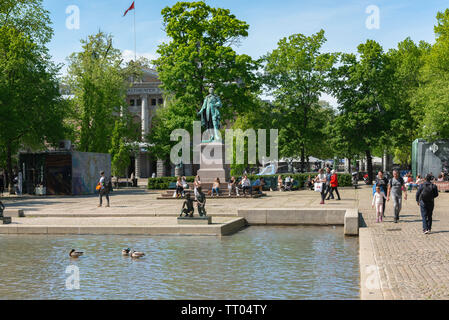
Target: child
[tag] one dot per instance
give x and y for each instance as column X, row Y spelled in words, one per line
column 378, row 200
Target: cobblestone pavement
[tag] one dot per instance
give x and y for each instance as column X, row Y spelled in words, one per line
column 412, row 265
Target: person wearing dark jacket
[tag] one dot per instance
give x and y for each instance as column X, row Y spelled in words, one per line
column 425, row 196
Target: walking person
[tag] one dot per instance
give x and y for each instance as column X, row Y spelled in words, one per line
column 333, row 185
column 425, row 197
column 328, row 184
column 321, row 179
column 395, row 188
column 378, row 201
column 103, row 190
column 382, row 182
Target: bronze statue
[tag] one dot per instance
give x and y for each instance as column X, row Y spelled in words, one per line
column 187, row 207
column 201, row 203
column 210, row 115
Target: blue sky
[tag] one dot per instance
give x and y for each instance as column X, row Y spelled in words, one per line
column 342, row 20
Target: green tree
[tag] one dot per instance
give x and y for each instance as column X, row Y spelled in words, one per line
column 200, row 54
column 296, row 73
column 121, row 146
column 29, row 18
column 99, row 83
column 30, row 104
column 360, row 86
column 405, row 64
column 431, row 100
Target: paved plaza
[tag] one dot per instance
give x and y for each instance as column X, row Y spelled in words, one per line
column 411, row 265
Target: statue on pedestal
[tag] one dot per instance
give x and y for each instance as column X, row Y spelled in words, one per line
column 201, row 202
column 210, row 115
column 187, row 207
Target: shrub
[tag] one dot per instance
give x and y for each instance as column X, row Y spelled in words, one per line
column 162, row 183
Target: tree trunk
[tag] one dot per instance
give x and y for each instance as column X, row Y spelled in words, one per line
column 303, row 144
column 369, row 163
column 9, row 168
column 349, row 165
column 303, row 159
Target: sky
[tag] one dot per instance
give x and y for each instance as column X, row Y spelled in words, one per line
column 346, row 23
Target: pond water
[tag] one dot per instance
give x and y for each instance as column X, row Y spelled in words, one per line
column 256, row 263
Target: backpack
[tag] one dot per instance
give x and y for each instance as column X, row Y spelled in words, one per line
column 427, row 193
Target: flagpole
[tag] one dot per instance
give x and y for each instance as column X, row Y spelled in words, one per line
column 135, row 50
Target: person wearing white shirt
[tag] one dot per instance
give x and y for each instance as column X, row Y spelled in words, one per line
column 321, row 178
column 378, row 201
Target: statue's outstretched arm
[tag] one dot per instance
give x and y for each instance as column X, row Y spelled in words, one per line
column 203, row 107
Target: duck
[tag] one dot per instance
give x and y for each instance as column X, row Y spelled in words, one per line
column 136, row 254
column 126, row 251
column 75, row 254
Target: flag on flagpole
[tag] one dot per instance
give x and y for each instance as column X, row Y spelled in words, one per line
column 130, row 8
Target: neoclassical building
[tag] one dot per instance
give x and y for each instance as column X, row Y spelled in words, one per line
column 144, row 98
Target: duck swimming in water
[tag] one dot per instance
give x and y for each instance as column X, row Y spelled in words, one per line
column 126, row 251
column 136, row 254
column 75, row 254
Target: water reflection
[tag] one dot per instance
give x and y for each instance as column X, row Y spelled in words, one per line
column 256, row 263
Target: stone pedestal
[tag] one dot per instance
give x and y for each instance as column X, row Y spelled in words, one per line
column 5, row 220
column 160, row 169
column 195, row 220
column 178, row 171
column 212, row 163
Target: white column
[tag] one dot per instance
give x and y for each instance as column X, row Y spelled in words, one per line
column 144, row 115
column 347, row 165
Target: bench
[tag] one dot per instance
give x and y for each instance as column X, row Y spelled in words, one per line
column 172, row 185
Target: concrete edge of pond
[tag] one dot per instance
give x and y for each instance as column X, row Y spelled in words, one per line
column 370, row 283
column 349, row 218
column 31, row 214
column 217, row 229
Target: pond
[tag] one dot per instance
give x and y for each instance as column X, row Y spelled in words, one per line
column 256, row 263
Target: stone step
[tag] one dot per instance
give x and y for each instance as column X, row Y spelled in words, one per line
column 16, row 213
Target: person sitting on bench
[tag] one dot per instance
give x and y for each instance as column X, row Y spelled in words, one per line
column 280, row 184
column 246, row 185
column 216, row 187
column 258, row 185
column 288, row 183
column 233, row 185
column 179, row 188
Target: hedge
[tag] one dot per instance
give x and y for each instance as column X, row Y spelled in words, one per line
column 162, row 183
column 344, row 180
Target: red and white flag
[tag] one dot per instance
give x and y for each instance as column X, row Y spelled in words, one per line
column 130, row 8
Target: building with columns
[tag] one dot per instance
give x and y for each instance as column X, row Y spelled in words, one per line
column 144, row 98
